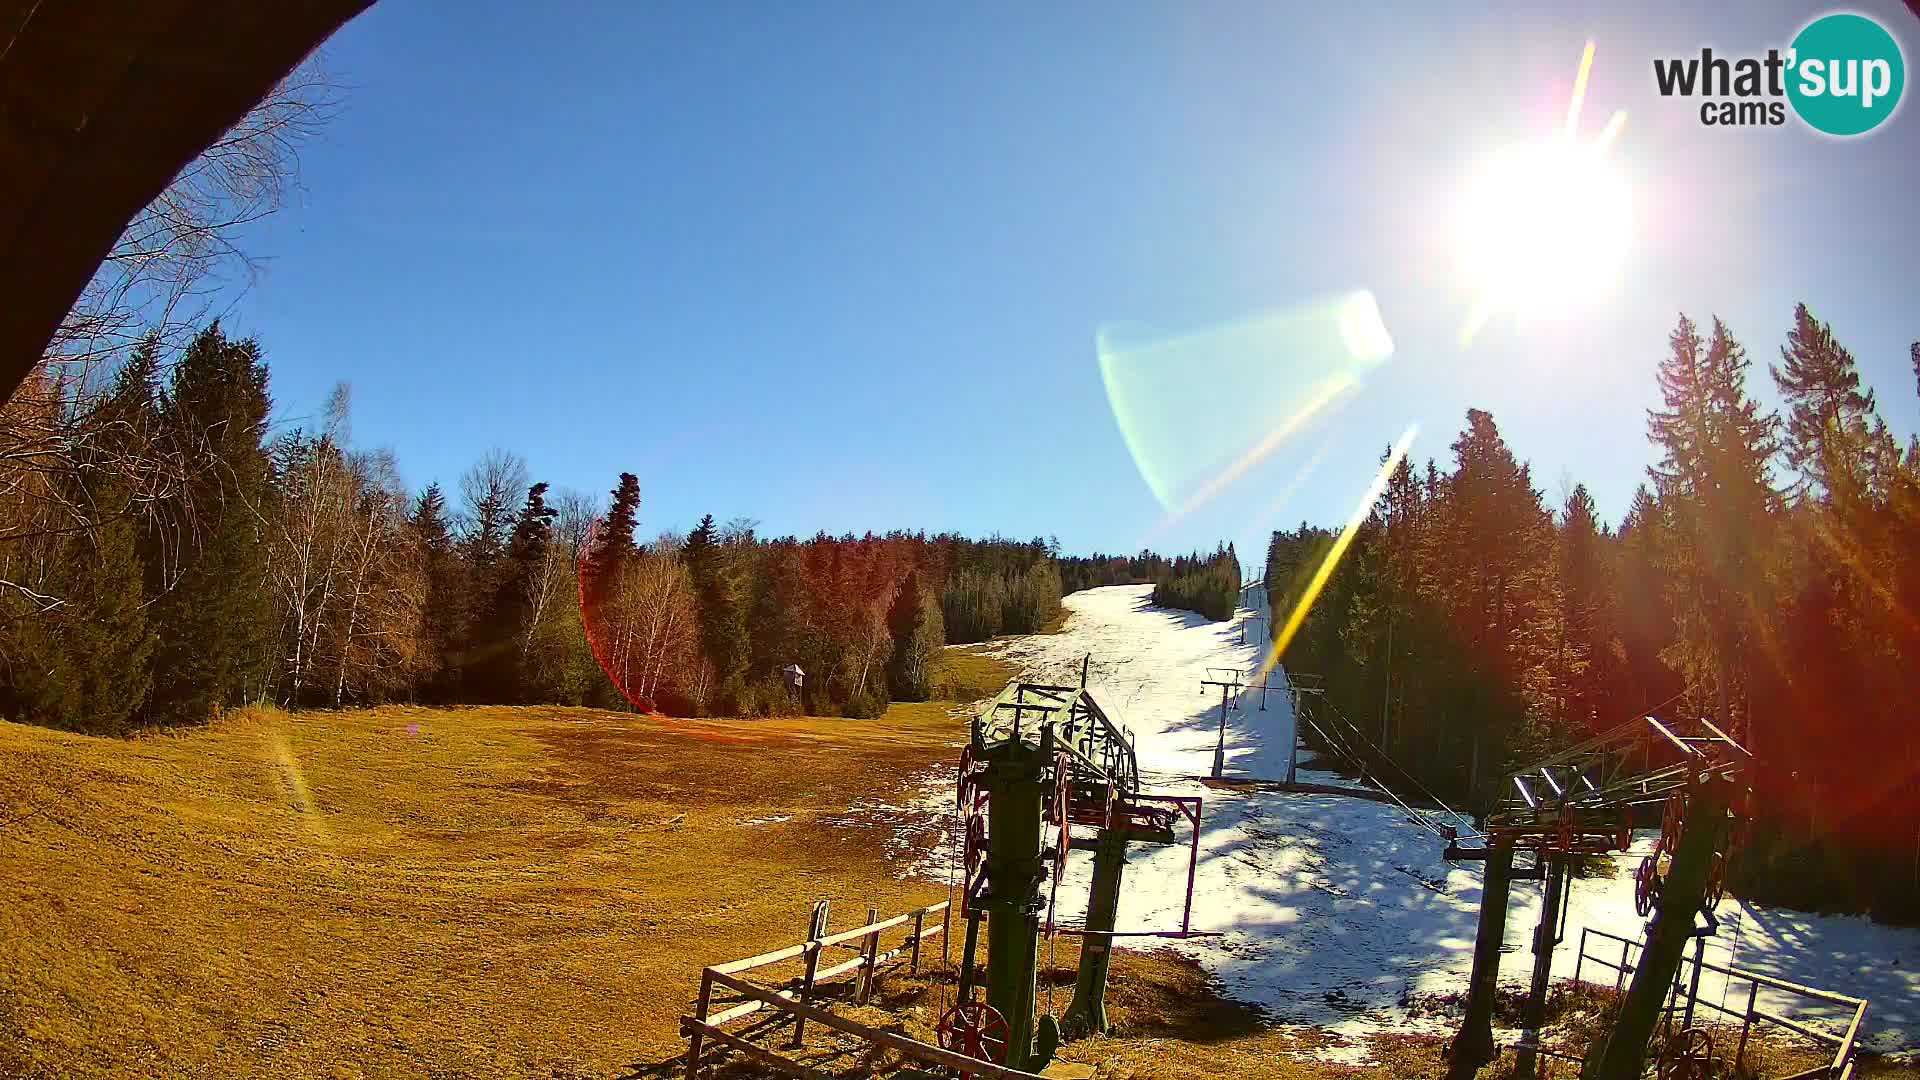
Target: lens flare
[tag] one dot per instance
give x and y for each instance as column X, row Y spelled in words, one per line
column 287, row 767
column 1334, row 554
column 616, row 663
column 1199, row 410
column 1300, row 477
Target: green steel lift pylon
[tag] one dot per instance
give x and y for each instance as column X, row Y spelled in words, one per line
column 1043, row 754
column 1016, row 781
column 1581, row 802
column 1623, row 1054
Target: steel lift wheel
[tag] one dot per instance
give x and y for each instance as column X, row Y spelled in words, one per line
column 1686, row 1056
column 1646, row 886
column 1673, row 822
column 976, row 1029
column 1062, row 814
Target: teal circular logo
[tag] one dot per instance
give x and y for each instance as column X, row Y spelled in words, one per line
column 1845, row 74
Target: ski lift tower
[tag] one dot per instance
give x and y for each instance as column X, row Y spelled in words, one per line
column 1230, row 684
column 1043, row 755
column 1257, row 627
column 1582, row 801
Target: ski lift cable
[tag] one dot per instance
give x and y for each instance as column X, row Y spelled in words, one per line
column 1415, row 816
column 1412, row 779
column 1420, row 787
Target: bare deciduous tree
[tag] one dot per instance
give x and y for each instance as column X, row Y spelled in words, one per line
column 71, row 457
column 491, row 489
column 377, row 637
column 160, row 276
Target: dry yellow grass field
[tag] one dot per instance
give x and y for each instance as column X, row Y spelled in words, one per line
column 488, row 892
column 477, row 892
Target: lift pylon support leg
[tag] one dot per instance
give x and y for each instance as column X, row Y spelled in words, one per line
column 1545, row 937
column 1473, row 1046
column 1623, row 1054
column 1088, row 1013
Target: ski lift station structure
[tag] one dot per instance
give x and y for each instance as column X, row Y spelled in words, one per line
column 1043, row 756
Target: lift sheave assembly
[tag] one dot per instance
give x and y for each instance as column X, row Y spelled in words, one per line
column 1047, row 772
column 1583, row 802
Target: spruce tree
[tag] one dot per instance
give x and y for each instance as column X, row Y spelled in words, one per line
column 489, row 489
column 909, row 674
column 613, row 543
column 447, row 616
column 1712, row 481
column 84, row 660
column 499, row 675
column 102, row 668
column 1500, row 537
column 1826, row 427
column 213, row 619
column 1581, row 663
column 721, row 598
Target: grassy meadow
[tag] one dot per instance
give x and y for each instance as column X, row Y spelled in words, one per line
column 399, row 891
column 488, row 892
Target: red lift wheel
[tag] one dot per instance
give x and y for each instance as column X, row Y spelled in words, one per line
column 975, row 851
column 1062, row 801
column 972, row 855
column 1672, row 823
column 1062, row 812
column 1646, row 886
column 976, row 1029
column 1687, row 1056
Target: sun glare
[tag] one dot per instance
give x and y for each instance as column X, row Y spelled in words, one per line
column 1544, row 226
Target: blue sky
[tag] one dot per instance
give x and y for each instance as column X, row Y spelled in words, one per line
column 841, row 266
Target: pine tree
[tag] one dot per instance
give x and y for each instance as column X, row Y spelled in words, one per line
column 500, row 677
column 1713, row 483
column 213, row 619
column 447, row 616
column 1826, row 429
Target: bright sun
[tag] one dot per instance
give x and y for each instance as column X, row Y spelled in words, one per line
column 1543, row 227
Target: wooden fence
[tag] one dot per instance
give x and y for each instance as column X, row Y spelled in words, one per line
column 1686, row 993
column 797, row 996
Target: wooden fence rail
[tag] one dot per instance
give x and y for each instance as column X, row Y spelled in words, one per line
column 797, row 1001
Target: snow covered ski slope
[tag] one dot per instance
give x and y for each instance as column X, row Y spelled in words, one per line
column 1334, row 910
